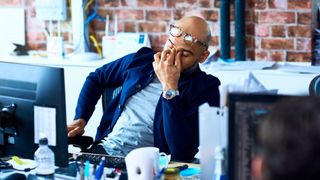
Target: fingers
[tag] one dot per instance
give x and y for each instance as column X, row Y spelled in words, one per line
column 76, row 127
column 177, row 62
column 70, row 128
column 71, row 133
column 165, row 54
column 154, row 64
column 167, row 58
column 171, row 57
column 157, row 57
column 156, row 61
column 75, row 131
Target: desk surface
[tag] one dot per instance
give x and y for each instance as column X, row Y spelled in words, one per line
column 49, row 62
column 65, row 176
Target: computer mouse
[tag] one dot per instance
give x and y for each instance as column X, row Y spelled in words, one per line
column 15, row 176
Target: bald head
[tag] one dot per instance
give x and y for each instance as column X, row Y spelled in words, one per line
column 196, row 26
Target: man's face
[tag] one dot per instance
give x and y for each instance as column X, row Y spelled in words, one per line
column 191, row 53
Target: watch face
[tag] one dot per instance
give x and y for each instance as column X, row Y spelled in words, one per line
column 169, row 93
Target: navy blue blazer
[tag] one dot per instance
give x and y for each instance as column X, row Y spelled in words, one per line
column 176, row 129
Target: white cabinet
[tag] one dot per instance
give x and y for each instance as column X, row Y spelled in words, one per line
column 74, row 79
column 286, row 83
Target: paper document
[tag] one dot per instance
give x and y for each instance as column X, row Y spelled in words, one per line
column 45, row 124
column 115, row 47
column 241, row 65
column 300, row 69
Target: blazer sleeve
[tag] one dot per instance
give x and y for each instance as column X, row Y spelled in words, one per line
column 111, row 74
column 181, row 116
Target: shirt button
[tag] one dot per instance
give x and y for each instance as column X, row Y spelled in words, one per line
column 138, row 86
column 120, row 106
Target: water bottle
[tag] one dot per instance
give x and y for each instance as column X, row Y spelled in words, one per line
column 44, row 158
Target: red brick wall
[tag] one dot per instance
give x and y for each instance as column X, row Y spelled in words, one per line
column 277, row 30
column 282, row 30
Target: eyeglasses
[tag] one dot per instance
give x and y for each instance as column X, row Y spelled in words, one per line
column 175, row 31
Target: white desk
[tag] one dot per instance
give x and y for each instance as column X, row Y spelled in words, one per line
column 287, row 83
column 76, row 72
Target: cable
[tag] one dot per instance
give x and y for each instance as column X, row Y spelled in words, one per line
column 90, row 17
column 93, row 39
column 88, row 20
column 87, row 5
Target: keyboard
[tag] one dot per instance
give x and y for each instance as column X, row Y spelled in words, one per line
column 111, row 161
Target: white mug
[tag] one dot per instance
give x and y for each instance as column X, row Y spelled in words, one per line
column 144, row 163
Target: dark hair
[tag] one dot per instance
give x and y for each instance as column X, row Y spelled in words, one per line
column 290, row 140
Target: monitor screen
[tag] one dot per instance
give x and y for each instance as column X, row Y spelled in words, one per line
column 38, row 95
column 246, row 112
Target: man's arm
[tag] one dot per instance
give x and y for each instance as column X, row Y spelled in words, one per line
column 181, row 126
column 107, row 75
column 111, row 74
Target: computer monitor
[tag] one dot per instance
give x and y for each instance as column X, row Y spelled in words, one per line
column 38, row 94
column 246, row 112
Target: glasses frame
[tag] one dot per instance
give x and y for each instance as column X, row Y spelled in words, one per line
column 186, row 36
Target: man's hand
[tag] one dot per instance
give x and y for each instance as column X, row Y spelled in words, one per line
column 76, row 127
column 167, row 66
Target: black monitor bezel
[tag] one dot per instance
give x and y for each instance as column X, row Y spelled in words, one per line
column 232, row 99
column 57, row 80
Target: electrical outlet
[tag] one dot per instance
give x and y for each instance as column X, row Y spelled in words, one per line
column 51, row 9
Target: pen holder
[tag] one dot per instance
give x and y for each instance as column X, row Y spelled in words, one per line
column 55, row 48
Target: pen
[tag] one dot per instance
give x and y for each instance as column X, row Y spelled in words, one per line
column 159, row 175
column 82, row 170
column 183, row 167
column 99, row 171
column 46, row 32
column 74, row 156
column 86, row 170
column 94, row 170
column 77, row 166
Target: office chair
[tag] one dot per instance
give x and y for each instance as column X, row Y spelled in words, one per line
column 314, row 86
column 83, row 142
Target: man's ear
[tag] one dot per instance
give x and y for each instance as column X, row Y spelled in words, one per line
column 257, row 167
column 204, row 56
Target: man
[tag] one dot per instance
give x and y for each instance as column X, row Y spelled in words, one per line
column 290, row 141
column 160, row 96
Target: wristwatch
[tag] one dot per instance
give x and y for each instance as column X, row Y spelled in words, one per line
column 169, row 94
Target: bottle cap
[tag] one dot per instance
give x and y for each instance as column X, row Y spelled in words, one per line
column 219, row 153
column 43, row 141
column 171, row 171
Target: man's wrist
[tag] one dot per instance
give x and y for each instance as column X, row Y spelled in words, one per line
column 166, row 87
column 82, row 122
